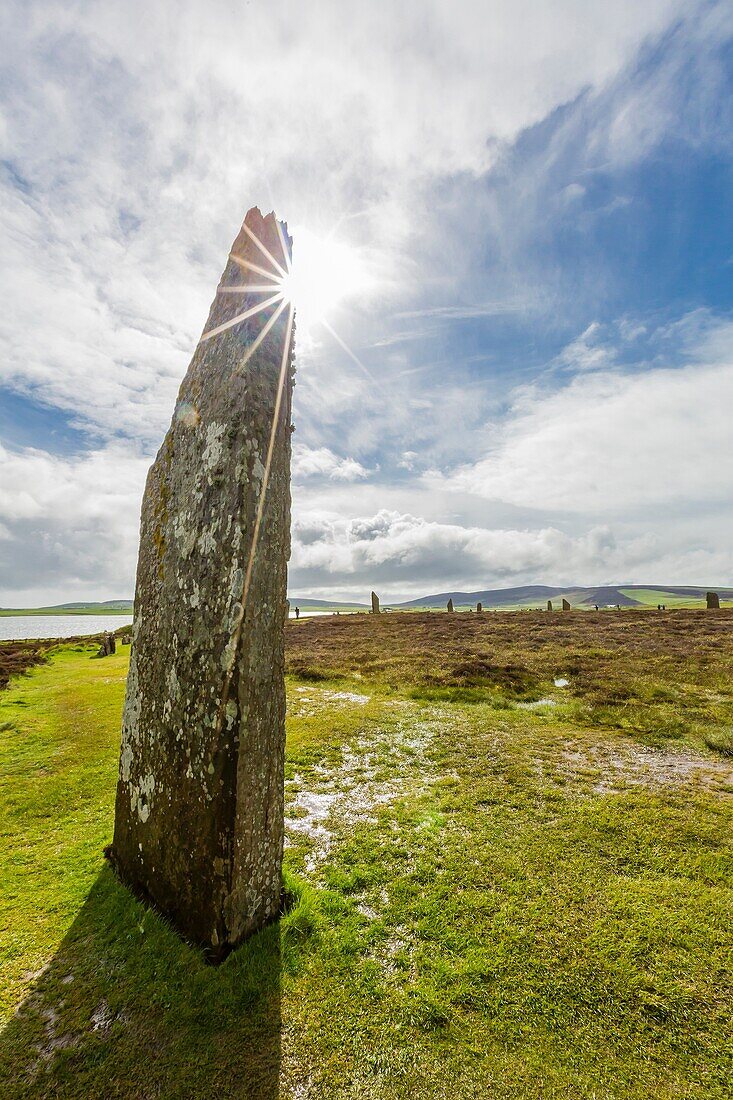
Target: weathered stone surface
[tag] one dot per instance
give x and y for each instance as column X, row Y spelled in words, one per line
column 549, row 605
column 565, row 605
column 199, row 813
column 108, row 646
column 375, row 603
column 450, row 605
column 712, row 600
column 479, row 607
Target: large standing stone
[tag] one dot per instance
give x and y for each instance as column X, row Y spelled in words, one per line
column 479, row 607
column 375, row 603
column 450, row 605
column 712, row 600
column 549, row 605
column 565, row 605
column 199, row 814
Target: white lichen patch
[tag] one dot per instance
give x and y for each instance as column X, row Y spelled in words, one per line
column 184, row 533
column 206, row 542
column 174, row 688
column 141, row 796
column 214, row 448
column 126, row 758
column 258, row 470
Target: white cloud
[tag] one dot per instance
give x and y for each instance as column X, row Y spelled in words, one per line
column 587, row 352
column 408, row 553
column 137, row 135
column 321, row 462
column 70, row 524
column 608, row 443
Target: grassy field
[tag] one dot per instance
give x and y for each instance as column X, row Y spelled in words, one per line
column 671, row 600
column 510, row 856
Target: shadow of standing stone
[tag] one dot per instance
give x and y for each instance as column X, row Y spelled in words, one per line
column 199, row 814
column 126, row 1009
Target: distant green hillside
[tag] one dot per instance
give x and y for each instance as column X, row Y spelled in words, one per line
column 504, row 599
column 580, row 596
column 109, row 607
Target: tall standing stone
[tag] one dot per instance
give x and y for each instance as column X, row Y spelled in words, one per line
column 450, row 605
column 199, row 813
column 549, row 605
column 712, row 600
column 375, row 603
column 479, row 607
column 565, row 605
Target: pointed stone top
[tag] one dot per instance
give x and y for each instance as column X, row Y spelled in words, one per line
column 264, row 227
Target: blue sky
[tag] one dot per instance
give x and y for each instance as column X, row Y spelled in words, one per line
column 539, row 199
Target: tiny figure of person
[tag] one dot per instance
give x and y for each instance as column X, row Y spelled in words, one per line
column 297, row 612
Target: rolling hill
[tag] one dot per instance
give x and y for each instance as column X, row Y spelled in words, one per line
column 536, row 595
column 109, row 607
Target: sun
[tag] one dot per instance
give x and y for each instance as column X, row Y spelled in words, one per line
column 323, row 274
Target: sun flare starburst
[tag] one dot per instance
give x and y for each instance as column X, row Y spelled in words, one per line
column 322, row 275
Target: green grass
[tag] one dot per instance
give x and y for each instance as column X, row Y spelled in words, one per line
column 651, row 598
column 499, row 911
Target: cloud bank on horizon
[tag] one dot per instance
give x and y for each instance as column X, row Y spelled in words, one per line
column 540, row 195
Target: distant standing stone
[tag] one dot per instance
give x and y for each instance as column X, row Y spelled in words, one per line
column 108, row 646
column 375, row 603
column 450, row 605
column 549, row 605
column 565, row 605
column 712, row 600
column 479, row 607
column 199, row 821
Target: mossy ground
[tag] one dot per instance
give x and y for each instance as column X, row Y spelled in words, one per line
column 500, row 887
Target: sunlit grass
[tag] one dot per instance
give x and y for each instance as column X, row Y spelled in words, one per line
column 502, row 925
